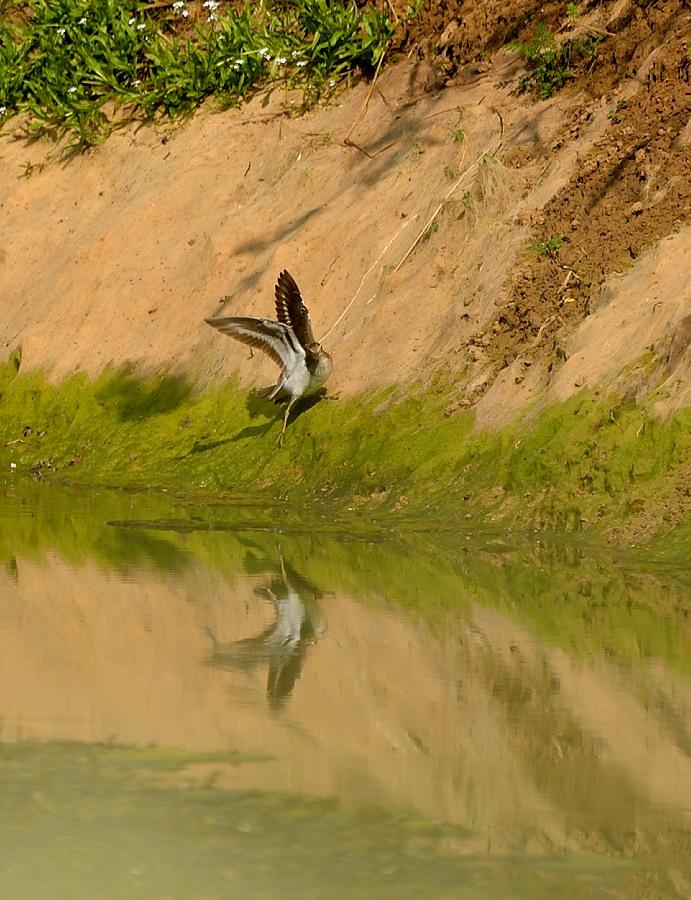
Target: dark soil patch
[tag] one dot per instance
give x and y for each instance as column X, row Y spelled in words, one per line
column 454, row 34
column 631, row 190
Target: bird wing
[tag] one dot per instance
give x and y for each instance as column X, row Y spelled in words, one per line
column 291, row 311
column 276, row 339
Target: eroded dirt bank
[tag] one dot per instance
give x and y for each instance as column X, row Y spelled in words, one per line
column 410, row 239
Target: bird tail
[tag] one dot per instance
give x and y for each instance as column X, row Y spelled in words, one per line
column 269, row 393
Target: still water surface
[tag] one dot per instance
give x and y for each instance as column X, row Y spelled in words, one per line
column 222, row 702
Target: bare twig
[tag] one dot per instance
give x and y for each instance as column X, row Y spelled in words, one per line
column 393, row 11
column 436, row 212
column 544, row 325
column 453, row 189
column 569, row 275
column 570, row 272
column 358, row 147
column 601, row 31
column 346, row 139
column 362, row 281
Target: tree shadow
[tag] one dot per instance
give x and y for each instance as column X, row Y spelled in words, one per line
column 130, row 547
column 132, row 397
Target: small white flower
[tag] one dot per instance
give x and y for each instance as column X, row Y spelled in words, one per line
column 136, row 82
column 3, row 110
column 332, row 83
column 61, row 31
column 281, row 60
column 141, row 26
column 264, row 52
column 82, row 21
column 300, row 63
column 132, row 21
column 212, row 18
column 211, row 4
column 13, row 465
column 178, row 4
column 72, row 90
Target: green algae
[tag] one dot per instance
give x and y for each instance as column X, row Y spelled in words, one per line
column 83, row 820
column 381, row 459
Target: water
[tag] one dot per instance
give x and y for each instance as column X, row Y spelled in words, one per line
column 235, row 702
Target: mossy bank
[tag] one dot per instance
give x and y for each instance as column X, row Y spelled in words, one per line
column 395, row 458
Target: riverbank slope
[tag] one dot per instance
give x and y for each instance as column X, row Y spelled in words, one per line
column 503, row 281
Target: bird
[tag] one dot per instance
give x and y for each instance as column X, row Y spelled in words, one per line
column 289, row 342
column 284, row 644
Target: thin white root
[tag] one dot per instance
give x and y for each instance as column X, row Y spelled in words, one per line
column 374, row 264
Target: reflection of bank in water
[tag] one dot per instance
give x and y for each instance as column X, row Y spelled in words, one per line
column 299, row 623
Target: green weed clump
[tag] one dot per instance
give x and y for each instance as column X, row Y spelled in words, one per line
column 551, row 62
column 83, row 66
column 548, row 248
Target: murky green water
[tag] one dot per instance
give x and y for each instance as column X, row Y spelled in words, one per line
column 239, row 702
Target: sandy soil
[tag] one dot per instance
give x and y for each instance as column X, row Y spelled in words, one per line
column 409, row 243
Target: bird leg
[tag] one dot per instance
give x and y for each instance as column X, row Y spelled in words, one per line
column 285, row 420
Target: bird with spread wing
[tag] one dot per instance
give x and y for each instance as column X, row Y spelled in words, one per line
column 290, row 342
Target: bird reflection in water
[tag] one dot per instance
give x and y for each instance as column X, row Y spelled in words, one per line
column 283, row 644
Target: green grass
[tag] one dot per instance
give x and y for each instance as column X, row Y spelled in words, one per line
column 548, row 248
column 82, row 67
